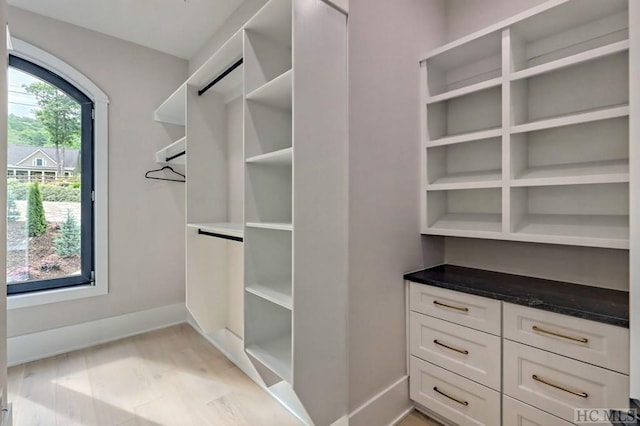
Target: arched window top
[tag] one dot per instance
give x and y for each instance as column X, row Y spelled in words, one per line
column 31, row 53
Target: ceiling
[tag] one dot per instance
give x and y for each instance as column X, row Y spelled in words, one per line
column 177, row 27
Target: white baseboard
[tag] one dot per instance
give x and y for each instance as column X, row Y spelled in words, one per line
column 43, row 344
column 386, row 408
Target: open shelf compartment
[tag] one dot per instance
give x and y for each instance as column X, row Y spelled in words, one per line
column 267, row 47
column 469, row 210
column 470, row 163
column 268, row 260
column 268, row 193
column 595, row 150
column 473, row 112
column 595, row 212
column 267, row 129
column 464, row 65
column 568, row 30
column 598, row 85
column 268, row 335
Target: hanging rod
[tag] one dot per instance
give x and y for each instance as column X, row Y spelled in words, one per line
column 220, row 77
column 223, row 236
column 173, row 157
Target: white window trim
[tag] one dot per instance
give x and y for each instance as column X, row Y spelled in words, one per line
column 38, row 56
column 41, row 160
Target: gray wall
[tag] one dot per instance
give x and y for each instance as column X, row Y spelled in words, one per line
column 591, row 266
column 146, row 218
column 466, row 16
column 386, row 39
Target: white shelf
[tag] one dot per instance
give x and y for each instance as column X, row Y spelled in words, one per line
column 280, row 157
column 606, row 227
column 170, row 150
column 464, row 137
column 173, row 110
column 276, row 292
column 276, row 93
column 470, row 180
column 589, row 55
column 566, row 120
column 465, row 90
column 274, row 354
column 582, row 173
column 232, row 229
column 278, row 226
column 476, row 222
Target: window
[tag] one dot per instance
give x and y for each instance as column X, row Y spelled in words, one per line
column 50, row 227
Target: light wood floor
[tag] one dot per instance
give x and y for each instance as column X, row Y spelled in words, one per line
column 166, row 377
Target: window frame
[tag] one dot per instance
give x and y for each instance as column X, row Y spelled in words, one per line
column 99, row 286
column 87, row 272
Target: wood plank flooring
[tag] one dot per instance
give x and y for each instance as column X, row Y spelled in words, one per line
column 167, row 377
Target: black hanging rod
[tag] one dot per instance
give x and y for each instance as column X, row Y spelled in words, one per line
column 173, row 157
column 220, row 77
column 225, row 237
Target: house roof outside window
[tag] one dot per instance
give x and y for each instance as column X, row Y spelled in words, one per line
column 21, row 156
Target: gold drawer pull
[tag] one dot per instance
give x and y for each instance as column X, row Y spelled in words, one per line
column 553, row 333
column 457, row 308
column 459, row 401
column 553, row 385
column 462, row 351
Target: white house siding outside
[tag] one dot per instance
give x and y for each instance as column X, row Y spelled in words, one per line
column 33, row 163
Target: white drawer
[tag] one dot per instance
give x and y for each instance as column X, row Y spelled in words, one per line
column 589, row 341
column 470, row 353
column 516, row 413
column 558, row 384
column 457, row 399
column 462, row 308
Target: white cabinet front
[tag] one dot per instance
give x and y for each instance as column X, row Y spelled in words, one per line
column 459, row 400
column 558, row 384
column 470, row 353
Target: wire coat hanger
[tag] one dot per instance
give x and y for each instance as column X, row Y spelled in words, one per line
column 184, row 178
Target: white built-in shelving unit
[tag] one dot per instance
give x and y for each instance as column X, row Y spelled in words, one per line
column 268, row 189
column 275, row 302
column 526, row 129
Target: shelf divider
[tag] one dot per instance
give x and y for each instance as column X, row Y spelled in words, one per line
column 279, row 157
column 465, row 137
column 278, row 293
column 566, row 120
column 465, row 90
column 278, row 226
column 599, row 52
column 276, row 93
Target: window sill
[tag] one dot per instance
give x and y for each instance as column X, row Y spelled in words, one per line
column 18, row 301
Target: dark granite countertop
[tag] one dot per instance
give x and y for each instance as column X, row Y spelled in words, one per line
column 592, row 303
